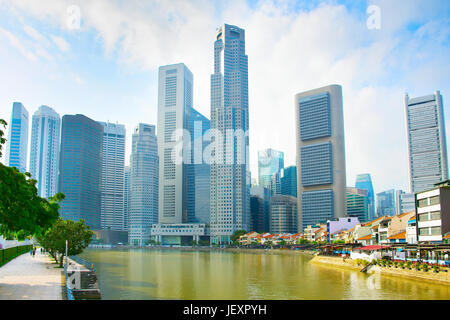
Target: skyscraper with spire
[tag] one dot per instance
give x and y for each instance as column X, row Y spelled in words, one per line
column 230, row 174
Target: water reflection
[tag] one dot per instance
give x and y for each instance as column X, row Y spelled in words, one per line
column 177, row 274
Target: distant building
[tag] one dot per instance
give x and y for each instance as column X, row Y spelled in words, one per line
column 321, row 171
column 265, row 194
column 283, row 214
column 427, row 142
column 257, row 214
column 17, row 141
column 406, row 203
column 44, row 150
column 275, row 183
column 269, row 162
column 289, row 181
column 143, row 212
column 80, row 166
column 386, row 203
column 112, row 181
column 433, row 213
column 358, row 204
column 126, row 196
column 364, row 181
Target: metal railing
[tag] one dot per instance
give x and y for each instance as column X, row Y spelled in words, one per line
column 83, row 262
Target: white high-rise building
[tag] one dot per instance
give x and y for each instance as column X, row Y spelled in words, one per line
column 427, row 142
column 112, row 180
column 182, row 173
column 230, row 174
column 17, row 143
column 143, row 207
column 174, row 101
column 44, row 150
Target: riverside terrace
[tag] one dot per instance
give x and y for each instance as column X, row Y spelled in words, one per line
column 427, row 253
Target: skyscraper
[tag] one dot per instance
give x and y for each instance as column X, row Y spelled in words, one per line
column 80, row 169
column 269, row 162
column 112, row 182
column 358, row 204
column 230, row 174
column 199, row 172
column 44, row 150
column 17, row 143
column 144, row 165
column 174, row 101
column 320, row 155
column 364, row 182
column 283, row 214
column 386, row 203
column 289, row 181
column 126, row 196
column 183, row 175
column 427, row 142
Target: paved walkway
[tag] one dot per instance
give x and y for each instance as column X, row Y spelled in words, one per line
column 28, row 278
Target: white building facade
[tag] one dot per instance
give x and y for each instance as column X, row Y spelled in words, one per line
column 112, row 179
column 44, row 150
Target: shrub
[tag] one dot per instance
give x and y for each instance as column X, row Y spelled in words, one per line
column 425, row 267
column 417, row 266
column 408, row 264
column 436, row 268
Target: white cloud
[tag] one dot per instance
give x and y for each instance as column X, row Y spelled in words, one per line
column 61, row 43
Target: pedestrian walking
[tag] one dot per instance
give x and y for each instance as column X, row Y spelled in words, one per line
column 34, row 252
column 31, row 252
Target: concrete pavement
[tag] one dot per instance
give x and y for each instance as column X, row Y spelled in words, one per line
column 28, row 278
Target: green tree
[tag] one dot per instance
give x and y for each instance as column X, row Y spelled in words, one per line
column 237, row 234
column 78, row 235
column 22, row 212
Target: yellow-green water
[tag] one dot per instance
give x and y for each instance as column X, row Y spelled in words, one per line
column 211, row 275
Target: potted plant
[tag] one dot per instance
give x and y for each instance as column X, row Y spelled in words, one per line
column 417, row 266
column 436, row 268
column 425, row 267
column 408, row 265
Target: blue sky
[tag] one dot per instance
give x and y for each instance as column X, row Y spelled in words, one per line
column 107, row 69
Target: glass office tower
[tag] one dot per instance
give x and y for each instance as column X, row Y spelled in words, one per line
column 386, row 203
column 143, row 206
column 364, row 182
column 427, row 142
column 321, row 173
column 112, row 182
column 358, row 204
column 80, row 166
column 17, row 143
column 269, row 162
column 230, row 174
column 44, row 150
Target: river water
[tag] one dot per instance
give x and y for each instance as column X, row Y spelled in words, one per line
column 216, row 275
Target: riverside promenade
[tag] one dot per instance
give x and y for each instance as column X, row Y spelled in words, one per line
column 28, row 278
